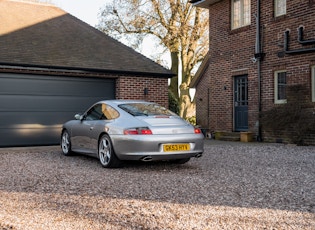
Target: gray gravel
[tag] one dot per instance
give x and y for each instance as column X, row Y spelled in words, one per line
column 233, row 186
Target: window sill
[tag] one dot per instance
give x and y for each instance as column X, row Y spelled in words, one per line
column 280, row 102
column 279, row 18
column 240, row 29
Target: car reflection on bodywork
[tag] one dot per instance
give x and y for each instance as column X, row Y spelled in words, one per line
column 118, row 130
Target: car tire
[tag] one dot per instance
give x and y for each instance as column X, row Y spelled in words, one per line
column 180, row 161
column 65, row 143
column 106, row 154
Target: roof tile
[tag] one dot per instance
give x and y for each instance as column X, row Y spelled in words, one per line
column 44, row 35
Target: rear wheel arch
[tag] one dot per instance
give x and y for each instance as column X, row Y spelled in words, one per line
column 106, row 152
column 101, row 135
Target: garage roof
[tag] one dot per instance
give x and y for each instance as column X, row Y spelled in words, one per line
column 42, row 35
column 203, row 3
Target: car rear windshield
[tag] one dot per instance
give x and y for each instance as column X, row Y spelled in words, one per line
column 146, row 109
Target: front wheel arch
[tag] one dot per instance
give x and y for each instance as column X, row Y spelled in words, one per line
column 65, row 143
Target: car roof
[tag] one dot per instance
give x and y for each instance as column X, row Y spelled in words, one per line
column 119, row 102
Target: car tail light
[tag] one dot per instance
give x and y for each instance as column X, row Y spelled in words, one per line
column 138, row 131
column 197, row 130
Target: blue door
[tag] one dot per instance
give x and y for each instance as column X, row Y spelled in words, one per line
column 241, row 103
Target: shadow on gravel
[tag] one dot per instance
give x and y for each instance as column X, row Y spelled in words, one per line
column 252, row 175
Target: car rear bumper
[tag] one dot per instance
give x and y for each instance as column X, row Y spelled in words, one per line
column 148, row 147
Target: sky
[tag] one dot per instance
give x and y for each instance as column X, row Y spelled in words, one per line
column 86, row 10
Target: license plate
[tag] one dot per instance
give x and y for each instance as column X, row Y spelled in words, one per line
column 176, row 147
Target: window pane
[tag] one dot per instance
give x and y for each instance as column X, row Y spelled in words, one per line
column 236, row 13
column 240, row 13
column 282, row 82
column 145, row 109
column 280, row 7
column 94, row 113
column 108, row 112
column 241, row 96
column 246, row 12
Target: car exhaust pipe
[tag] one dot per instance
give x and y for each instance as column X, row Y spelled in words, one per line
column 146, row 158
column 198, row 155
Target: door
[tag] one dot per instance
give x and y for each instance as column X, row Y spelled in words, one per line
column 83, row 132
column 34, row 107
column 241, row 103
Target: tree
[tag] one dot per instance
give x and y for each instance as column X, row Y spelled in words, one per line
column 178, row 26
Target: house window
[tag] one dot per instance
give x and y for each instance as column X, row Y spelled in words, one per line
column 280, row 87
column 280, row 7
column 240, row 13
column 313, row 82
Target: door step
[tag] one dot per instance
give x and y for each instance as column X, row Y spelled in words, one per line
column 227, row 136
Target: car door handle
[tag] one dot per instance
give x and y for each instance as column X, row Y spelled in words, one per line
column 91, row 128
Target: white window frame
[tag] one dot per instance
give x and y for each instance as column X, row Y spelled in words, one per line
column 243, row 15
column 313, row 82
column 280, row 7
column 278, row 101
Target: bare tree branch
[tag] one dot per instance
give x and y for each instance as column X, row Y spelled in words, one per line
column 181, row 28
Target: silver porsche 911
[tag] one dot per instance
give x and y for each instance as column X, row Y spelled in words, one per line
column 118, row 130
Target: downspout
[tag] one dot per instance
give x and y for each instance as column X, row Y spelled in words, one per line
column 297, row 51
column 258, row 57
column 301, row 39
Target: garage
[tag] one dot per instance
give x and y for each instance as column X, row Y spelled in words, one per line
column 52, row 66
column 33, row 107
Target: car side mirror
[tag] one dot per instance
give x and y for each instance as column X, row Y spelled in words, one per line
column 79, row 117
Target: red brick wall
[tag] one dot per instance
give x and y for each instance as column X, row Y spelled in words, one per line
column 202, row 101
column 299, row 13
column 230, row 55
column 231, row 52
column 130, row 87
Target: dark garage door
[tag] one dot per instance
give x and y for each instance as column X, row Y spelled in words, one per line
column 33, row 107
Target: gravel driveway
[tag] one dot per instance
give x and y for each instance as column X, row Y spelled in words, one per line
column 233, row 186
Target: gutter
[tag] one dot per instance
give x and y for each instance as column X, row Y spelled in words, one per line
column 55, row 70
column 203, row 3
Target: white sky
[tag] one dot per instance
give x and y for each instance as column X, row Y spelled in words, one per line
column 86, row 10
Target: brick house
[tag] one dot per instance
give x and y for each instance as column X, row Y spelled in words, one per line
column 258, row 50
column 52, row 66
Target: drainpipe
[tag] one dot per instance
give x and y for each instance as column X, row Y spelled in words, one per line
column 258, row 56
column 301, row 40
column 297, row 51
